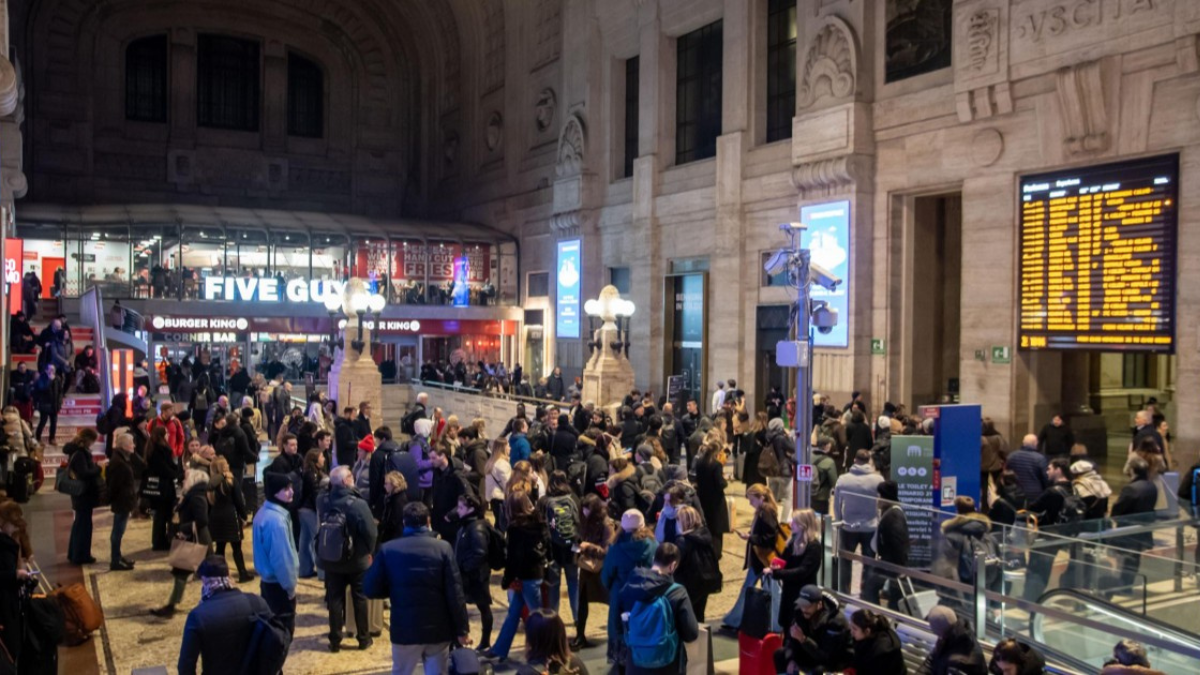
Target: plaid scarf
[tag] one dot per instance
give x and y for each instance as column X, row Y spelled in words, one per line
column 210, row 585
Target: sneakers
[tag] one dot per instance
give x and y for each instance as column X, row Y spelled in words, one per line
column 120, row 566
column 489, row 655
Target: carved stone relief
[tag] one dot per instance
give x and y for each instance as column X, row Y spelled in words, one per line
column 830, row 176
column 494, row 132
column 986, row 147
column 982, row 35
column 544, row 116
column 918, row 37
column 1082, row 103
column 570, row 148
column 829, row 65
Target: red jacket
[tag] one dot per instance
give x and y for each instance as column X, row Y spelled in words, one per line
column 174, row 433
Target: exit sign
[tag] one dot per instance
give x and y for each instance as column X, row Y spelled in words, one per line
column 878, row 347
column 1001, row 355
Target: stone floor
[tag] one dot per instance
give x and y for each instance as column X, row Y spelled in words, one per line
column 133, row 639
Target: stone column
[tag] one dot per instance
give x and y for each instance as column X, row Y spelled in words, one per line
column 354, row 376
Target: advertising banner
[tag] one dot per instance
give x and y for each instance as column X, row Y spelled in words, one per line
column 413, row 259
column 828, row 237
column 14, row 255
column 569, row 279
column 912, row 469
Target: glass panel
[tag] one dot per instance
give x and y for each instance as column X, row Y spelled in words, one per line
column 227, row 90
column 698, row 93
column 306, row 97
column 146, row 79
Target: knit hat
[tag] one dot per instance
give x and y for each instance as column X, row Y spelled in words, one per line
column 632, row 520
column 274, row 483
column 809, row 595
column 940, row 619
column 367, row 444
column 674, row 472
column 423, row 427
column 884, row 422
column 214, row 566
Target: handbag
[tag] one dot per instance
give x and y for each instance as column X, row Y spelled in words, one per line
column 67, row 484
column 589, row 564
column 152, row 487
column 187, row 555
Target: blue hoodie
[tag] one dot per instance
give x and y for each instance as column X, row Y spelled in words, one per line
column 518, row 448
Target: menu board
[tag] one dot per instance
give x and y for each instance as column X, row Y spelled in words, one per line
column 1098, row 257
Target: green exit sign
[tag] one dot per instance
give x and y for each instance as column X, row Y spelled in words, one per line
column 877, row 346
column 1001, row 355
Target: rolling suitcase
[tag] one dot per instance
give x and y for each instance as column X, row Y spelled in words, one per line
column 757, row 657
column 22, row 480
column 250, row 493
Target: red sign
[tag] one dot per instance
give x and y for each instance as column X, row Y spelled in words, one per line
column 413, row 259
column 14, row 257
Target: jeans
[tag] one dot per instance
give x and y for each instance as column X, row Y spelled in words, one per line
column 434, row 658
column 531, row 596
column 120, row 520
column 734, row 618
column 180, row 585
column 335, row 598
column 563, row 562
column 283, row 607
column 849, row 541
column 498, row 512
column 308, row 542
column 50, row 416
column 79, row 546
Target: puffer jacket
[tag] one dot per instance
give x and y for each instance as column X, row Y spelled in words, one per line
column 854, row 498
column 958, row 533
column 826, row 644
column 471, row 553
column 18, row 438
column 1091, row 488
column 418, row 573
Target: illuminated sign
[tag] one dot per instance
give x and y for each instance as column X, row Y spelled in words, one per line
column 393, row 326
column 569, row 277
column 1098, row 257
column 198, row 323
column 217, row 337
column 268, row 289
column 14, row 254
column 828, row 237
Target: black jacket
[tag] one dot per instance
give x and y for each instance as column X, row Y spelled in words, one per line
column 1048, row 506
column 216, row 632
column 858, row 437
column 892, row 536
column 471, row 553
column 11, row 615
column 957, row 650
column 1055, row 441
column 291, row 466
column 527, row 551
column 193, row 514
column 763, row 532
column 235, row 448
column 418, row 573
column 161, row 463
column 562, row 445
column 122, row 488
column 797, row 572
column 391, row 522
column 710, row 488
column 449, row 484
column 645, row 585
column 228, row 510
column 1139, row 496
column 345, row 441
column 362, row 427
column 695, row 552
column 826, row 644
column 359, row 524
column 83, row 467
column 880, row 654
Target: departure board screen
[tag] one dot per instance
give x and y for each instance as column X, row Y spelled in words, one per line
column 1098, row 257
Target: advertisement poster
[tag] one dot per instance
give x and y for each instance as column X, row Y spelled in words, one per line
column 912, row 469
column 828, row 237
column 569, row 279
column 14, row 254
column 461, row 295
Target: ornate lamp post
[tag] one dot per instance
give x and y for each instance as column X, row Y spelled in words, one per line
column 608, row 375
column 354, row 376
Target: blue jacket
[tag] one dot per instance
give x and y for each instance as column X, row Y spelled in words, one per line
column 623, row 557
column 518, row 448
column 1029, row 466
column 217, row 632
column 275, row 556
column 420, row 576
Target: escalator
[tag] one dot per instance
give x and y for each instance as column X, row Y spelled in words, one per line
column 1095, row 647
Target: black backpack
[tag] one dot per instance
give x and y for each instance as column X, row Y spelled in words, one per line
column 561, row 516
column 408, row 425
column 268, row 648
column 1073, row 512
column 497, row 552
column 967, row 567
column 102, row 426
column 709, row 575
column 577, row 476
column 334, row 541
column 669, row 439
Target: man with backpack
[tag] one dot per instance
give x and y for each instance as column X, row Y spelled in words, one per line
column 417, row 412
column 345, row 541
column 777, row 463
column 1056, row 506
column 657, row 616
column 230, row 631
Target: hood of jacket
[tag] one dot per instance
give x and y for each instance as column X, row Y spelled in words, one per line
column 645, row 585
column 971, row 524
column 627, row 550
column 1090, row 484
column 861, row 469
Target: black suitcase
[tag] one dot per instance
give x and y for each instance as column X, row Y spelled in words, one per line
column 20, row 485
column 250, row 493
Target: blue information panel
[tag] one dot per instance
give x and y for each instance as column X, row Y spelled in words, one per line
column 828, row 237
column 569, row 278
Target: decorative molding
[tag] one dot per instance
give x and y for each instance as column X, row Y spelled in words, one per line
column 985, row 102
column 494, row 131
column 1187, row 56
column 544, row 110
column 1083, row 109
column 571, row 147
column 10, row 85
column 830, row 66
column 987, row 145
column 983, row 34
column 831, row 176
column 567, row 223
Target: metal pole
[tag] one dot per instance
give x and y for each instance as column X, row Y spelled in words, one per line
column 803, row 427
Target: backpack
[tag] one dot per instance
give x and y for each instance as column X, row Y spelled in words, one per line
column 967, row 568
column 560, row 514
column 102, row 426
column 649, row 479
column 709, row 573
column 669, row 439
column 650, row 632
column 268, row 647
column 1073, row 512
column 408, row 424
column 334, row 542
column 497, row 551
column 577, row 476
column 768, row 463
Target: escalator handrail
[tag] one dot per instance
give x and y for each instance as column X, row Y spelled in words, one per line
column 1180, row 636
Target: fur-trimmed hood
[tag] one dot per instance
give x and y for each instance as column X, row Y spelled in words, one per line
column 624, row 475
column 969, row 523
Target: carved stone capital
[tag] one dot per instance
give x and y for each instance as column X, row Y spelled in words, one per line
column 573, row 223
column 1084, row 107
column 10, row 87
column 832, row 176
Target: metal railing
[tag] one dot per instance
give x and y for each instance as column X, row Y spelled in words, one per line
column 91, row 312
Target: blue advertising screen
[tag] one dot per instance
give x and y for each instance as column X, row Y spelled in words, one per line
column 828, row 237
column 569, row 278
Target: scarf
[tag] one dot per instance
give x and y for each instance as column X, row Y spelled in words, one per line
column 210, row 585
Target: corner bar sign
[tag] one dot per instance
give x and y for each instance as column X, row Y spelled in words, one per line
column 266, row 289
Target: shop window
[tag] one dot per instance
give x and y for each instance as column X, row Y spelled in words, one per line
column 146, row 79
column 539, row 285
column 781, row 68
column 306, row 97
column 228, row 85
column 632, row 102
column 698, row 93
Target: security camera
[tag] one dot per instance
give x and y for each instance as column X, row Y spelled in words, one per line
column 778, row 262
column 823, row 277
column 824, row 318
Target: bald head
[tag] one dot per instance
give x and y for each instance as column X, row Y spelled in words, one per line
column 1142, row 418
column 1030, row 441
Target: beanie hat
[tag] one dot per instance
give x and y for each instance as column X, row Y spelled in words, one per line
column 213, row 567
column 885, row 422
column 274, row 483
column 632, row 520
column 423, row 427
column 889, row 490
column 367, row 444
column 940, row 619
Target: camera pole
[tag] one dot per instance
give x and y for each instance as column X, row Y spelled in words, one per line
column 802, row 429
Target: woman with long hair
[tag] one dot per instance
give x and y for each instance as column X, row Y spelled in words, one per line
column 391, row 523
column 193, row 511
column 546, row 648
column 496, row 475
column 760, row 544
column 595, row 535
column 82, row 468
column 752, row 441
column 699, row 572
column 802, row 560
column 312, row 473
column 227, row 515
column 877, row 648
column 710, row 489
column 524, row 568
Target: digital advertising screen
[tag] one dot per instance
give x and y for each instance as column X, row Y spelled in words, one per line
column 1097, row 248
column 569, row 279
column 828, row 237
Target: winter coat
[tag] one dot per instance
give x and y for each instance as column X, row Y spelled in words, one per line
column 193, row 513
column 854, row 499
column 858, row 437
column 624, row 555
column 518, row 448
column 994, row 450
column 957, row 651
column 880, row 654
column 84, row 468
column 449, row 484
column 562, row 445
column 798, row 571
column 958, row 535
column 826, row 644
column 1055, row 441
column 825, row 477
column 471, row 554
column 764, row 530
column 1139, row 496
column 497, row 479
column 1091, row 488
column 391, row 523
column 692, row 559
column 47, row 393
column 645, row 586
column 275, row 556
column 11, row 614
column 233, row 445
column 215, row 632
column 1010, row 499
column 1029, row 466
column 419, row 575
column 623, row 491
column 474, row 457
column 228, row 510
column 527, row 551
column 345, row 441
column 161, row 463
column 1032, row 662
column 891, row 538
column 710, row 488
column 359, row 524
column 17, row 439
column 122, row 487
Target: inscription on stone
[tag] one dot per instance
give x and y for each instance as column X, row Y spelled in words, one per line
column 1052, row 20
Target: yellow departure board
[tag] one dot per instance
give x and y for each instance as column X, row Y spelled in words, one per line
column 1098, row 257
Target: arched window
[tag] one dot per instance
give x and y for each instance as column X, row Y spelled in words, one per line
column 146, row 79
column 306, row 97
column 227, row 83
